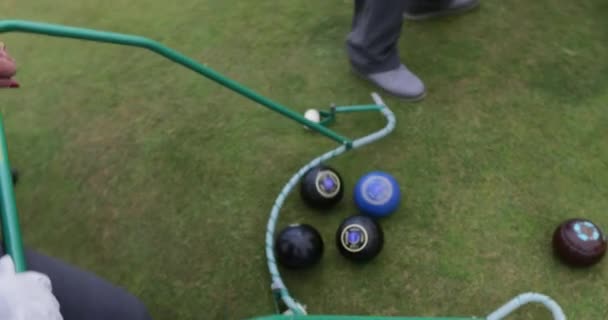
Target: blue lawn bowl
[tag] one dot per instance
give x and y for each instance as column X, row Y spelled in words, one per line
column 377, row 194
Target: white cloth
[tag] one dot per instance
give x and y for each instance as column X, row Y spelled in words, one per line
column 26, row 295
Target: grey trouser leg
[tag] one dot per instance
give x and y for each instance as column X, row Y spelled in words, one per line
column 376, row 28
column 84, row 296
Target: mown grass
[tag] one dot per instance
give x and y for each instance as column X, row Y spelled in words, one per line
column 161, row 181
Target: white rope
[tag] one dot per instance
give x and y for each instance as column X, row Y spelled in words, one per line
column 295, row 307
column 277, row 281
column 526, row 298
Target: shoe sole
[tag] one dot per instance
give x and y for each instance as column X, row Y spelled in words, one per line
column 428, row 16
column 403, row 98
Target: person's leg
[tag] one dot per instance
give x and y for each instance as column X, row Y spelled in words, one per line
column 372, row 47
column 425, row 9
column 372, row 43
column 83, row 295
column 358, row 9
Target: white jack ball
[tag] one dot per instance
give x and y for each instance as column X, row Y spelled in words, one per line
column 312, row 115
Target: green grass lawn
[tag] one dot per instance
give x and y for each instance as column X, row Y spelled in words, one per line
column 162, row 181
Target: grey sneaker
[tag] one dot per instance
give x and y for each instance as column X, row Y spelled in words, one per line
column 433, row 9
column 400, row 82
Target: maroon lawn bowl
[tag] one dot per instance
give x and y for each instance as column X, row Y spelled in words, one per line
column 579, row 242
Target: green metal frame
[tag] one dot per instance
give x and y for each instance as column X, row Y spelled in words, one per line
column 8, row 209
column 322, row 317
column 9, row 218
column 8, row 212
column 141, row 42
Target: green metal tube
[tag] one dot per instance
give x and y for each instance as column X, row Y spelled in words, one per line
column 341, row 317
column 8, row 209
column 137, row 41
column 368, row 107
